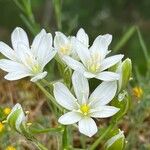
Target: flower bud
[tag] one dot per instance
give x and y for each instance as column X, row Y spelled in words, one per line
column 125, row 70
column 16, row 118
column 116, row 142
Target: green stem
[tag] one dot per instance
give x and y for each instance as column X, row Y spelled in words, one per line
column 143, row 45
column 57, row 7
column 65, row 138
column 37, row 131
column 97, row 142
column 39, row 145
column 49, row 96
column 125, row 38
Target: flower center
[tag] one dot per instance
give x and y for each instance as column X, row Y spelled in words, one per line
column 65, row 50
column 36, row 68
column 32, row 63
column 94, row 63
column 85, row 109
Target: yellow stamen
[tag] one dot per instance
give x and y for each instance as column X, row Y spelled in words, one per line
column 29, row 124
column 137, row 92
column 1, row 127
column 65, row 50
column 10, row 148
column 7, row 111
column 85, row 109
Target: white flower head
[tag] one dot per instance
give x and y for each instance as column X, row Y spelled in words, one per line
column 24, row 61
column 65, row 45
column 94, row 61
column 84, row 108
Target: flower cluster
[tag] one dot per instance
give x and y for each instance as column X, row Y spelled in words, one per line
column 86, row 61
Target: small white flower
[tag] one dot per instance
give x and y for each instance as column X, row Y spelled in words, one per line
column 24, row 61
column 94, row 61
column 65, row 46
column 84, row 107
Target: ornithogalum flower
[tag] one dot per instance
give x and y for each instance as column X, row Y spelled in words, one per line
column 24, row 60
column 94, row 62
column 84, row 108
column 65, row 46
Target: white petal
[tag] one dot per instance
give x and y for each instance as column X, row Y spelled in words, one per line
column 17, row 36
column 81, row 86
column 110, row 61
column 83, row 37
column 108, row 76
column 89, row 74
column 16, row 75
column 103, row 94
column 74, row 64
column 12, row 66
column 60, row 40
column 7, row 51
column 39, row 76
column 64, row 97
column 50, row 55
column 36, row 42
column 23, row 54
column 87, row 126
column 70, row 118
column 100, row 45
column 44, row 48
column 82, row 51
column 104, row 111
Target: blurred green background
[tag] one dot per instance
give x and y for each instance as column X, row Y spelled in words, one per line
column 121, row 18
column 95, row 16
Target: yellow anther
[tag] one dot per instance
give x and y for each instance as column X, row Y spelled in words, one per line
column 85, row 109
column 65, row 50
column 7, row 111
column 137, row 92
column 10, row 148
column 29, row 124
column 1, row 127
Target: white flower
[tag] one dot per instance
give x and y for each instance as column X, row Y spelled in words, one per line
column 94, row 61
column 24, row 61
column 84, row 107
column 65, row 46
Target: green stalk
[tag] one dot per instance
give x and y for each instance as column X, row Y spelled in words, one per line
column 65, row 140
column 143, row 45
column 39, row 145
column 49, row 96
column 125, row 38
column 27, row 16
column 37, row 131
column 57, row 7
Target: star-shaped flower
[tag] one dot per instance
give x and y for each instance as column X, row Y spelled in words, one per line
column 24, row 61
column 94, row 62
column 84, row 108
column 65, row 46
